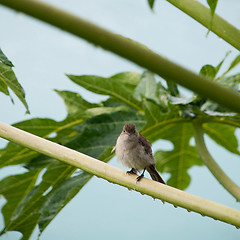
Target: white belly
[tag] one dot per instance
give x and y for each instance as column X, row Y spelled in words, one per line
column 132, row 155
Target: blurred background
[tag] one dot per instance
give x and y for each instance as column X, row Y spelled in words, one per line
column 42, row 55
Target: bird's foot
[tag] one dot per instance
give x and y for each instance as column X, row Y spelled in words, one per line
column 132, row 171
column 140, row 177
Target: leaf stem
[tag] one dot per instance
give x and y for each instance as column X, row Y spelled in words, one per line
column 128, row 49
column 215, row 169
column 202, row 14
column 118, row 176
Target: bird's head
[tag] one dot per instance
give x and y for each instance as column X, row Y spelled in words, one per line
column 129, row 129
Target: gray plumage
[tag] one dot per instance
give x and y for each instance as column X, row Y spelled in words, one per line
column 134, row 151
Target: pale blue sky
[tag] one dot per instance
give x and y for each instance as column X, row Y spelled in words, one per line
column 42, row 55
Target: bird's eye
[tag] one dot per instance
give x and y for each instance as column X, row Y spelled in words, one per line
column 124, row 130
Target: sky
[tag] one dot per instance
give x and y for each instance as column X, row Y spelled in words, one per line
column 42, row 55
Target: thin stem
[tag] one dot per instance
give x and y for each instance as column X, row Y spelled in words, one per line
column 128, row 49
column 118, row 176
column 202, row 14
column 215, row 169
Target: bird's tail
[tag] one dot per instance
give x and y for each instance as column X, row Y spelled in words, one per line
column 154, row 174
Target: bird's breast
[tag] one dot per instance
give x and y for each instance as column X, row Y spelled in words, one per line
column 132, row 154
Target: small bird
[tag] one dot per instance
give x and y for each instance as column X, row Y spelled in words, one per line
column 134, row 151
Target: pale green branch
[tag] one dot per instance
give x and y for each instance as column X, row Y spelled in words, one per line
column 202, row 14
column 118, row 176
column 128, row 49
column 215, row 169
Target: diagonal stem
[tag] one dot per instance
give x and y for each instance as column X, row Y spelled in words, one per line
column 129, row 49
column 215, row 169
column 118, row 176
column 202, row 14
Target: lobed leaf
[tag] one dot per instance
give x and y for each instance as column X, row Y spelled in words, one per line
column 74, row 102
column 4, row 59
column 151, row 3
column 107, row 86
column 223, row 135
column 212, row 4
column 9, row 80
column 178, row 161
column 147, row 87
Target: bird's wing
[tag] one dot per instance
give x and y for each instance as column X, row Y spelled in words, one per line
column 146, row 144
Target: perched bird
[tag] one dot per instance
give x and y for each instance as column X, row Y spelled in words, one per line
column 134, row 151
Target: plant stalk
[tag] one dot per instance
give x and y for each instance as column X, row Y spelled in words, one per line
column 128, row 49
column 118, row 176
column 215, row 169
column 202, row 14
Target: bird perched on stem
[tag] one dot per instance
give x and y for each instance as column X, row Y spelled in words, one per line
column 134, row 151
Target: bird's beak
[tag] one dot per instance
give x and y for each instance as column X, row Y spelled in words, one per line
column 128, row 134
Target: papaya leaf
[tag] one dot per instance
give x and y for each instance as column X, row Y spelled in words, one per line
column 4, row 59
column 231, row 81
column 234, row 63
column 172, row 127
column 178, row 161
column 9, row 80
column 60, row 196
column 208, row 71
column 102, row 131
column 95, row 137
column 212, row 4
column 147, row 87
column 128, row 79
column 223, row 135
column 158, row 121
column 15, row 189
column 14, row 154
column 107, row 86
column 151, row 3
column 211, row 71
column 173, row 88
column 74, row 102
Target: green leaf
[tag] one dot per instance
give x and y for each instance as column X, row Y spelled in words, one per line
column 4, row 59
column 107, row 86
column 60, row 196
column 234, row 63
column 14, row 154
column 212, row 4
column 74, row 102
column 58, row 186
column 208, row 71
column 147, row 87
column 100, row 132
column 170, row 126
column 178, row 161
column 158, row 119
column 15, row 189
column 151, row 3
column 223, row 135
column 128, row 79
column 211, row 71
column 231, row 82
column 173, row 88
column 9, row 80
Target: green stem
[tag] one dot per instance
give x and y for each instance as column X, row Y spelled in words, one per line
column 128, row 49
column 118, row 176
column 215, row 169
column 202, row 14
